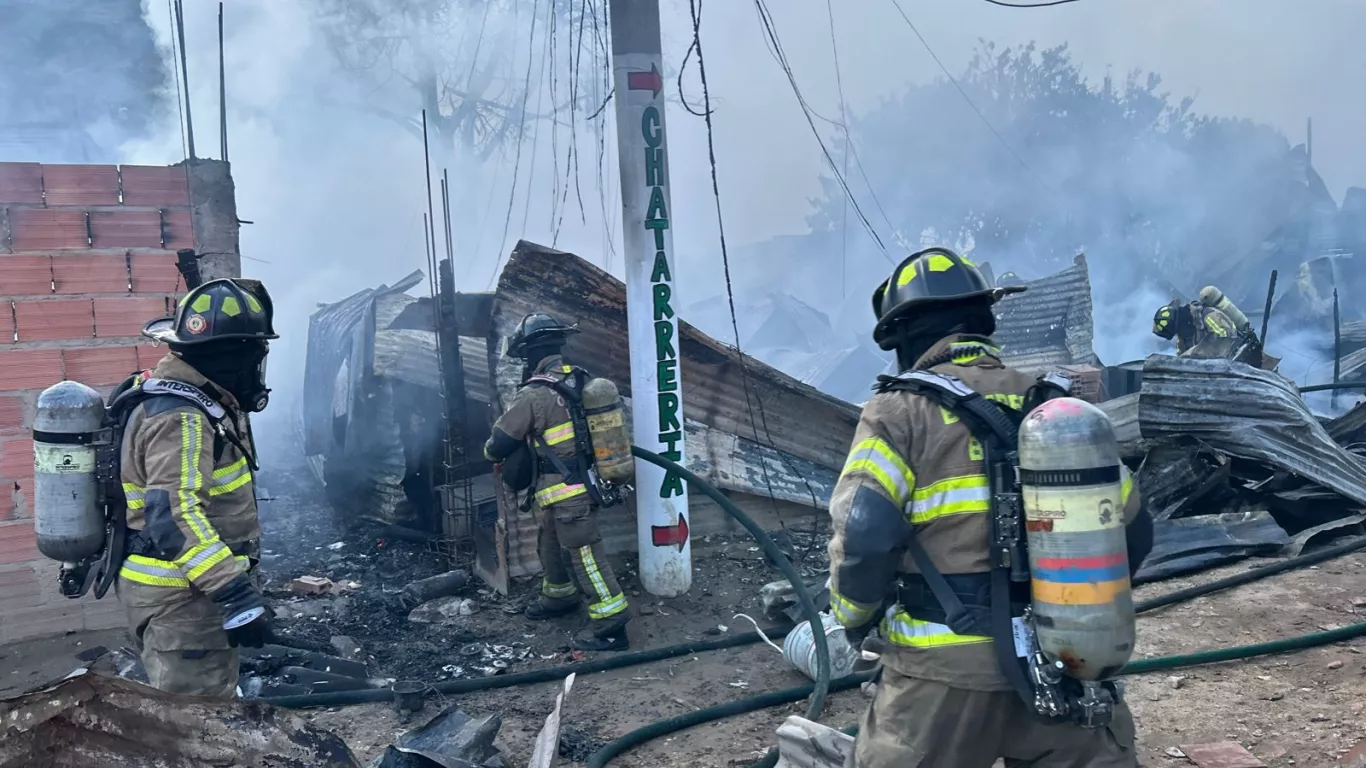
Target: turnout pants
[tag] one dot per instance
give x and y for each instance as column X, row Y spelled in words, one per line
column 570, row 546
column 179, row 633
column 916, row 723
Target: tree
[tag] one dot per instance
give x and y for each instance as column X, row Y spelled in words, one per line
column 472, row 64
column 1056, row 164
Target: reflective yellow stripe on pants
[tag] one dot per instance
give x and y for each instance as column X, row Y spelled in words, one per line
column 608, row 604
column 559, row 492
column 558, row 591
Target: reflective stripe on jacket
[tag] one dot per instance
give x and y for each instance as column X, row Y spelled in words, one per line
column 915, row 469
column 192, row 506
column 539, row 411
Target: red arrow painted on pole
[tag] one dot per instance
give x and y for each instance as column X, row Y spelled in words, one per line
column 645, row 81
column 670, row 535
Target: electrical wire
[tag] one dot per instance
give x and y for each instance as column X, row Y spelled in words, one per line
column 844, row 119
column 776, row 48
column 695, row 8
column 521, row 134
column 179, row 92
column 1004, row 4
column 971, row 103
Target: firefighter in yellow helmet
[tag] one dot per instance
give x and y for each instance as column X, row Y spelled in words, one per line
column 1199, row 330
column 911, row 517
column 569, row 542
column 187, row 463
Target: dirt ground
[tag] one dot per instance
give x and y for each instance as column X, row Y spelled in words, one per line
column 1301, row 709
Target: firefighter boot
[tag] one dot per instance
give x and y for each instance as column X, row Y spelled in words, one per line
column 605, row 635
column 544, row 608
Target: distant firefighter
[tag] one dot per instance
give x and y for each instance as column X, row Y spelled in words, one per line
column 1199, row 331
column 1008, row 279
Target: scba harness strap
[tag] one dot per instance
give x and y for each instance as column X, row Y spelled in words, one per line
column 570, row 389
column 997, row 429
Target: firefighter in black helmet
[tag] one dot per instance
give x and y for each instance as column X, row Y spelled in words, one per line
column 569, row 542
column 1203, row 331
column 915, row 490
column 187, row 465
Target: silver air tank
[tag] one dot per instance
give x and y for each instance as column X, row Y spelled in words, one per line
column 68, row 520
column 1211, row 296
column 1071, row 479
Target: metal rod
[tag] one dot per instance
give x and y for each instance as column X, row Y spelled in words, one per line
column 222, row 90
column 1341, row 385
column 431, row 211
column 446, row 185
column 1337, row 349
column 185, row 76
column 1266, row 313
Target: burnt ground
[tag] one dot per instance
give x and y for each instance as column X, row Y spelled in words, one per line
column 1301, row 709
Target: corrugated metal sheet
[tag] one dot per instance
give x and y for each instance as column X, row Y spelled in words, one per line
column 1050, row 324
column 1350, row 426
column 329, row 343
column 410, row 356
column 1192, row 544
column 800, row 419
column 1248, row 413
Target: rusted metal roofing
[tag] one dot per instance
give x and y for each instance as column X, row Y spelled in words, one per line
column 1247, row 413
column 800, row 420
column 1049, row 325
column 789, row 483
column 329, row 336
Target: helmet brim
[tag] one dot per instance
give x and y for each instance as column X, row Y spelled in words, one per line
column 163, row 330
column 882, row 332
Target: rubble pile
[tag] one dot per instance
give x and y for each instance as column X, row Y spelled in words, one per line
column 1233, row 463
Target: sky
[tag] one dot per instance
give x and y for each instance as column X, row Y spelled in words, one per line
column 336, row 195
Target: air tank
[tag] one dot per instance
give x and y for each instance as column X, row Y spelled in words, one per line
column 1211, row 296
column 68, row 520
column 608, row 428
column 1071, row 479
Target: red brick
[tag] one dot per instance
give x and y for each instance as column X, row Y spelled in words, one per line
column 43, row 620
column 16, row 499
column 155, row 273
column 125, row 229
column 21, row 183
column 47, row 229
column 54, row 320
column 81, row 184
column 19, row 589
column 98, row 366
column 16, row 457
column 25, row 275
column 126, row 316
column 12, row 413
column 149, row 355
column 151, row 185
column 22, row 369
column 179, row 230
column 91, row 273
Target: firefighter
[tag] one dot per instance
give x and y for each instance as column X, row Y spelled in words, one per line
column 1009, row 279
column 1200, row 331
column 569, row 542
column 915, row 472
column 187, row 461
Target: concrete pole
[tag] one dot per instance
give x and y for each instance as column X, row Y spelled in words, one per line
column 656, row 376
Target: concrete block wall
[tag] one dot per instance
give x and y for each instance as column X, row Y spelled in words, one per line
column 87, row 257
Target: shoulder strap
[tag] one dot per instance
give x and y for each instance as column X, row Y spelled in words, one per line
column 987, row 420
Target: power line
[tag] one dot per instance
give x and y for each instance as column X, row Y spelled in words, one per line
column 1030, row 5
column 521, row 133
column 776, row 48
column 844, row 118
column 970, row 102
column 695, row 6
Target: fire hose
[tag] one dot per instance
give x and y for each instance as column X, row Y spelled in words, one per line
column 823, row 684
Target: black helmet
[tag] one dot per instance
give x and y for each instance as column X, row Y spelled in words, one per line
column 537, row 329
column 1008, row 279
column 928, row 279
column 218, row 310
column 1165, row 320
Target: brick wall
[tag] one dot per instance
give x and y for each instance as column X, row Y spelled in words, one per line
column 87, row 257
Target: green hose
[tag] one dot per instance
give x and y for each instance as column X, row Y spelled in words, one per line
column 1298, row 643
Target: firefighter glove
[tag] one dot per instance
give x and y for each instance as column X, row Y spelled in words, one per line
column 245, row 616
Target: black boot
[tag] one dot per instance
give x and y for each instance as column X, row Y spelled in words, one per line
column 544, row 608
column 605, row 635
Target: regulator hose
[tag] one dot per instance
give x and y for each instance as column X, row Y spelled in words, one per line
column 618, row 661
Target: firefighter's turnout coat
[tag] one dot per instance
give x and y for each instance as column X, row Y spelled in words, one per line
column 193, row 527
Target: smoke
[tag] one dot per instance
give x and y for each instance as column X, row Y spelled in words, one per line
column 324, row 105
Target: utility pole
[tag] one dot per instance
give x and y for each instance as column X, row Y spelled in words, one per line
column 656, row 373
